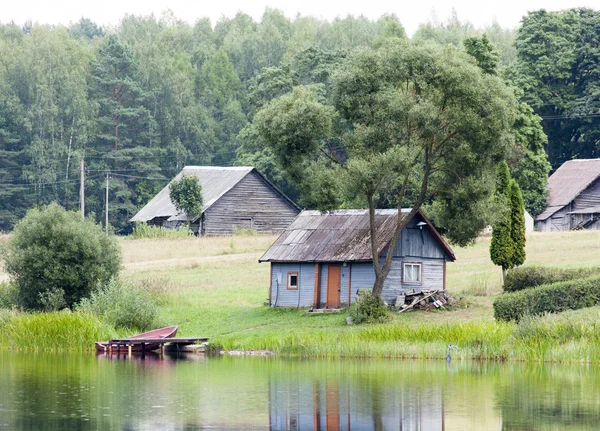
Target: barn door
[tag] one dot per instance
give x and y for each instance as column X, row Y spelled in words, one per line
column 334, row 274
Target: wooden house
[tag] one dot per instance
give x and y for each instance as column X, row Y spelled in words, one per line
column 574, row 199
column 234, row 197
column 322, row 260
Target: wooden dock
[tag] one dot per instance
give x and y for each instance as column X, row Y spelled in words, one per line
column 142, row 344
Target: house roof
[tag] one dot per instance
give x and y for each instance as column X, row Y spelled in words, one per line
column 572, row 178
column 215, row 182
column 338, row 236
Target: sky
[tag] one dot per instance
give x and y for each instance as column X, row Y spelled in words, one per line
column 411, row 13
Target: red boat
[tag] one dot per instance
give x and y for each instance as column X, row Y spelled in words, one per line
column 168, row 332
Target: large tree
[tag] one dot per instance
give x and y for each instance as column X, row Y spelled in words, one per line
column 417, row 122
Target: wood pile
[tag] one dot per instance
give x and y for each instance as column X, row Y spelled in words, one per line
column 417, row 299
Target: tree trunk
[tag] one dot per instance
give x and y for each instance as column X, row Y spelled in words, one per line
column 503, row 276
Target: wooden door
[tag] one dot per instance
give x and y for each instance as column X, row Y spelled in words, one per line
column 334, row 274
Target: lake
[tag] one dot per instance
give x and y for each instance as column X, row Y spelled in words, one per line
column 82, row 391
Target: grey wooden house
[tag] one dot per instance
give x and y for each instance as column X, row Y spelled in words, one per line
column 574, row 198
column 234, row 197
column 322, row 260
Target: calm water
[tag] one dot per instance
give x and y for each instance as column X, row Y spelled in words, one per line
column 79, row 392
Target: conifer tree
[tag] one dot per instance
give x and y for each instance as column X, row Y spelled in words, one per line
column 517, row 224
column 501, row 247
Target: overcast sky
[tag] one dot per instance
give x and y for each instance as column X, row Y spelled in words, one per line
column 411, row 12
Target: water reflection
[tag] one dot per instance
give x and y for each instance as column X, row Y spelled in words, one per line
column 80, row 392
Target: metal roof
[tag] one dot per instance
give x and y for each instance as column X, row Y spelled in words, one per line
column 572, row 178
column 338, row 236
column 215, row 182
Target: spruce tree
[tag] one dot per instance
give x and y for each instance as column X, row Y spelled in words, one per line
column 517, row 224
column 501, row 247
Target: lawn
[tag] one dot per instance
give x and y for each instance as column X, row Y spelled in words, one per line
column 215, row 287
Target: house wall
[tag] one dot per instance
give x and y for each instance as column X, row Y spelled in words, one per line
column 281, row 296
column 251, row 203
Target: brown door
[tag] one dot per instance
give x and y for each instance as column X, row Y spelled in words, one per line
column 333, row 286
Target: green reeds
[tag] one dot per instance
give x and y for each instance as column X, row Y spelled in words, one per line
column 56, row 331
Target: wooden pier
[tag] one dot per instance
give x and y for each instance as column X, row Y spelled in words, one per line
column 143, row 345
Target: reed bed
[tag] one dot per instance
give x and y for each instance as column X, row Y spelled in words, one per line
column 56, row 331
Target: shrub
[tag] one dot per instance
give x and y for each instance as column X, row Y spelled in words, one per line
column 526, row 277
column 52, row 249
column 144, row 231
column 549, row 298
column 368, row 308
column 9, row 295
column 122, row 305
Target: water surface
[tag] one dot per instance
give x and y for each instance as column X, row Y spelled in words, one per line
column 80, row 392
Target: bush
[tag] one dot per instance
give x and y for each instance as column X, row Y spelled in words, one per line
column 122, row 305
column 52, row 249
column 9, row 295
column 526, row 277
column 549, row 298
column 144, row 231
column 368, row 308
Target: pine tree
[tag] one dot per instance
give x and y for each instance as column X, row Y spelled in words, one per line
column 517, row 224
column 501, row 247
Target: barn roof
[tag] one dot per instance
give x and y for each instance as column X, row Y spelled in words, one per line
column 338, row 236
column 215, row 182
column 572, row 178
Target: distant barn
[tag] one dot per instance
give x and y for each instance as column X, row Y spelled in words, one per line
column 234, row 198
column 574, row 199
column 322, row 260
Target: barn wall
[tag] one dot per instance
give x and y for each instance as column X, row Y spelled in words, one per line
column 590, row 197
column 251, row 203
column 281, row 296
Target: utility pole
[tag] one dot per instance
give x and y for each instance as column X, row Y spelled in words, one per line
column 82, row 189
column 106, row 215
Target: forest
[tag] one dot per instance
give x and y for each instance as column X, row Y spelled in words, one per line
column 140, row 100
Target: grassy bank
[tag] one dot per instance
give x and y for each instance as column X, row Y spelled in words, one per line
column 215, row 287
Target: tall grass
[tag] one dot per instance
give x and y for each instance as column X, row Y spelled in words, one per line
column 57, row 331
column 144, row 231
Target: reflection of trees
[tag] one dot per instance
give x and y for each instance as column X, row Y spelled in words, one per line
column 550, row 398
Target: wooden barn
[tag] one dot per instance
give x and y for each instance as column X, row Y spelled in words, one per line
column 234, row 197
column 322, row 260
column 574, row 199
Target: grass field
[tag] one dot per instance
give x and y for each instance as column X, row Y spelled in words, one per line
column 215, row 287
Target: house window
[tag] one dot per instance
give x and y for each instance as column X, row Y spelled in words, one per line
column 292, row 281
column 412, row 273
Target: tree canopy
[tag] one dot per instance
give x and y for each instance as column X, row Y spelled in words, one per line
column 409, row 123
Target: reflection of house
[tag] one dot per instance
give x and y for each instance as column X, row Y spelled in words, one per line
column 234, row 197
column 574, row 199
column 336, row 405
column 321, row 260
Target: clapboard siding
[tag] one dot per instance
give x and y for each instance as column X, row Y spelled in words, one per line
column 590, row 197
column 416, row 241
column 432, row 277
column 323, row 286
column 559, row 221
column 362, row 277
column 251, row 203
column 281, row 296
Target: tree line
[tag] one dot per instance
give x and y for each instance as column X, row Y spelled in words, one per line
column 139, row 101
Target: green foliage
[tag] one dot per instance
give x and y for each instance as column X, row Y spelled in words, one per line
column 484, row 52
column 501, row 246
column 144, row 231
column 122, row 305
column 517, row 224
column 527, row 277
column 186, row 195
column 9, row 295
column 548, row 298
column 557, row 67
column 368, row 308
column 52, row 249
column 53, row 300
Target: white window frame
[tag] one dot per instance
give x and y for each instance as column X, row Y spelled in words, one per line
column 412, row 264
column 290, row 286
